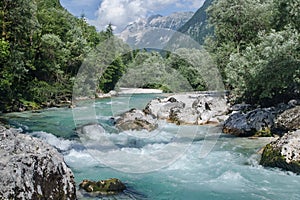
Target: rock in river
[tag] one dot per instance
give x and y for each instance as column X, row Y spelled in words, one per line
column 289, row 119
column 283, row 153
column 190, row 108
column 258, row 122
column 109, row 186
column 31, row 169
column 135, row 120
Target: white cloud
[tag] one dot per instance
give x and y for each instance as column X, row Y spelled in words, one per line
column 196, row 4
column 191, row 4
column 121, row 12
column 118, row 12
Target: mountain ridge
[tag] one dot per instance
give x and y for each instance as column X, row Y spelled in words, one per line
column 138, row 31
column 197, row 25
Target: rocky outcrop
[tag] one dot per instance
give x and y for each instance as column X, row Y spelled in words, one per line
column 31, row 169
column 289, row 119
column 283, row 153
column 110, row 186
column 194, row 108
column 135, row 120
column 258, row 122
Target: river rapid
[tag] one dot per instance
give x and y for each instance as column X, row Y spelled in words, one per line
column 171, row 162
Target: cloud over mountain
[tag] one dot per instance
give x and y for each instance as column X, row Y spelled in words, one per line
column 121, row 12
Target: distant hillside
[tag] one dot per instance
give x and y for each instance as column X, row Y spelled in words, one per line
column 196, row 27
column 138, row 31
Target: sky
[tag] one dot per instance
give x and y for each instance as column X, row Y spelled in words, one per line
column 121, row 12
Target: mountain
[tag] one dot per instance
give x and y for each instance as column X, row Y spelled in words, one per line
column 142, row 29
column 197, row 26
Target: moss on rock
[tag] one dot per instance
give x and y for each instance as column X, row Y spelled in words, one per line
column 283, row 153
column 265, row 132
column 271, row 157
column 109, row 186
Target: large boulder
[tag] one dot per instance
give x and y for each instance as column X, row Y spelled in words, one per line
column 135, row 120
column 193, row 108
column 289, row 119
column 283, row 153
column 110, row 186
column 31, row 169
column 258, row 122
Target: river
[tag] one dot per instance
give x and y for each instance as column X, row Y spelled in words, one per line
column 172, row 162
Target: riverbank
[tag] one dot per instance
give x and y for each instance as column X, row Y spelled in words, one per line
column 139, row 91
column 122, row 91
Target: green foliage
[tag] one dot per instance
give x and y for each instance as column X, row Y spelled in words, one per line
column 236, row 24
column 42, row 47
column 182, row 62
column 148, row 69
column 256, row 47
column 286, row 12
column 112, row 75
column 269, row 70
column 30, row 104
column 4, row 50
column 184, row 70
column 161, row 87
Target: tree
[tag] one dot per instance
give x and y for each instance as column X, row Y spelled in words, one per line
column 4, row 50
column 286, row 12
column 268, row 72
column 19, row 27
column 42, row 47
column 112, row 75
column 236, row 24
column 256, row 45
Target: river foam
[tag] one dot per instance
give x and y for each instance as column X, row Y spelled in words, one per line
column 184, row 169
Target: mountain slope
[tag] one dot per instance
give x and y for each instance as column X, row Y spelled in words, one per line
column 197, row 26
column 138, row 31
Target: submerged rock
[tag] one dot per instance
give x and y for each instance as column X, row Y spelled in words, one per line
column 31, row 169
column 258, row 122
column 289, row 119
column 283, row 153
column 135, row 120
column 109, row 186
column 193, row 108
column 90, row 128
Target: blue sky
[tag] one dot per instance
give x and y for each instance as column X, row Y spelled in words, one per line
column 121, row 12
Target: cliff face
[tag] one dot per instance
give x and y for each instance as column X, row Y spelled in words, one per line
column 31, row 169
column 197, row 27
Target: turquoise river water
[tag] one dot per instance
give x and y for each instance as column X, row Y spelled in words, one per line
column 172, row 162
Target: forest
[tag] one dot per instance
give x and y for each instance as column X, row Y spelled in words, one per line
column 255, row 44
column 42, row 46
